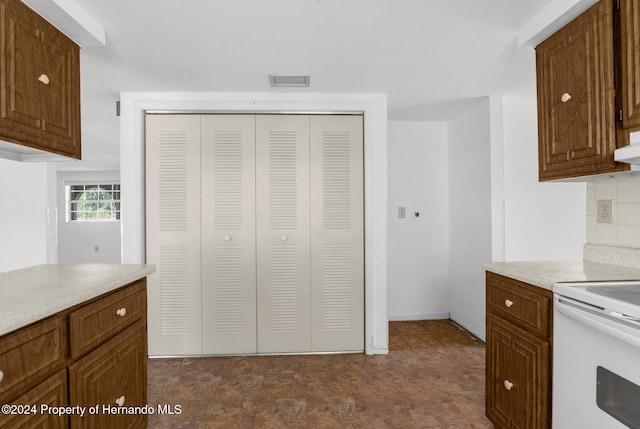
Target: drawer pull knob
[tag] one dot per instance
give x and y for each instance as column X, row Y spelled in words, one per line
column 44, row 79
column 508, row 385
column 284, row 238
column 565, row 97
column 508, row 303
column 227, row 238
column 120, row 401
column 121, row 312
column 1, row 375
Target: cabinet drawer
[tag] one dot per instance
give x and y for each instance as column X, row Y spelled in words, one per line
column 95, row 323
column 520, row 303
column 31, row 354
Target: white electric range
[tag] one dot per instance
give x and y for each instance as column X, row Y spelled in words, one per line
column 596, row 360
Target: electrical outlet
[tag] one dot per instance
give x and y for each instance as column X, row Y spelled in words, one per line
column 605, row 211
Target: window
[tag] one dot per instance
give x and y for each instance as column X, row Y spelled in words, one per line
column 94, row 202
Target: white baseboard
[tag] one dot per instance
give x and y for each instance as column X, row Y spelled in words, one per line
column 419, row 316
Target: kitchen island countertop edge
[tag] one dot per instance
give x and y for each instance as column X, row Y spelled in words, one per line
column 35, row 293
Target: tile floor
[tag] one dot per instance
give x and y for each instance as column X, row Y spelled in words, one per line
column 433, row 377
column 424, row 334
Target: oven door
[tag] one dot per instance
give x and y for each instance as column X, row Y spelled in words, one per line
column 596, row 368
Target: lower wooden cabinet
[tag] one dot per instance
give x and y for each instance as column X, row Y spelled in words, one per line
column 91, row 355
column 518, row 353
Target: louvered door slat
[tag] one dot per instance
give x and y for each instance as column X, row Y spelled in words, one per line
column 337, row 234
column 282, row 157
column 228, row 234
column 173, row 234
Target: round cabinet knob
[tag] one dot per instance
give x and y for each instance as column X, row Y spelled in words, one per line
column 508, row 385
column 565, row 97
column 227, row 238
column 508, row 303
column 1, row 375
column 121, row 312
column 44, row 79
column 283, row 238
column 120, row 401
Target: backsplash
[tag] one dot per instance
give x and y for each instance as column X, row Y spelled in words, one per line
column 625, row 227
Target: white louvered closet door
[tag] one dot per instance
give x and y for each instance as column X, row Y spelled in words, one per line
column 283, row 266
column 228, row 234
column 337, row 234
column 173, row 234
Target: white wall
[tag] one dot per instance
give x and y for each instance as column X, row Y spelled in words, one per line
column 543, row 221
column 23, row 214
column 418, row 247
column 470, row 215
column 77, row 241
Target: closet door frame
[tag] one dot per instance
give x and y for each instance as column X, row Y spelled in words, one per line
column 373, row 106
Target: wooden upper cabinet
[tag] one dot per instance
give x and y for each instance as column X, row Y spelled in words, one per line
column 576, row 97
column 39, row 82
column 630, row 61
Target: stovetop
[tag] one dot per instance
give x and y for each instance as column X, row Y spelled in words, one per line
column 618, row 296
column 625, row 293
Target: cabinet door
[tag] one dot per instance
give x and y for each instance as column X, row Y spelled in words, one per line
column 19, row 72
column 51, row 392
column 228, row 234
column 40, row 82
column 283, row 272
column 517, row 385
column 630, row 58
column 116, row 371
column 173, row 234
column 337, row 234
column 576, row 94
column 60, row 97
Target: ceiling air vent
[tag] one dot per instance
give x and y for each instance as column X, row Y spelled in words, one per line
column 280, row 80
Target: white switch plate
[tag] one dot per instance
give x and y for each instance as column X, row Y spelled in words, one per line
column 605, row 211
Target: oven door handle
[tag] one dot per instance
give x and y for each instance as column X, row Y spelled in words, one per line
column 602, row 324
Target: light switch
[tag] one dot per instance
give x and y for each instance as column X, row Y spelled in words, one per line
column 402, row 212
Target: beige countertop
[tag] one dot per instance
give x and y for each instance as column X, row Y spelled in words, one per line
column 545, row 273
column 30, row 294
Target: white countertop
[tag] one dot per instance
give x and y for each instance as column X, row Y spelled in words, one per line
column 545, row 273
column 30, row 294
